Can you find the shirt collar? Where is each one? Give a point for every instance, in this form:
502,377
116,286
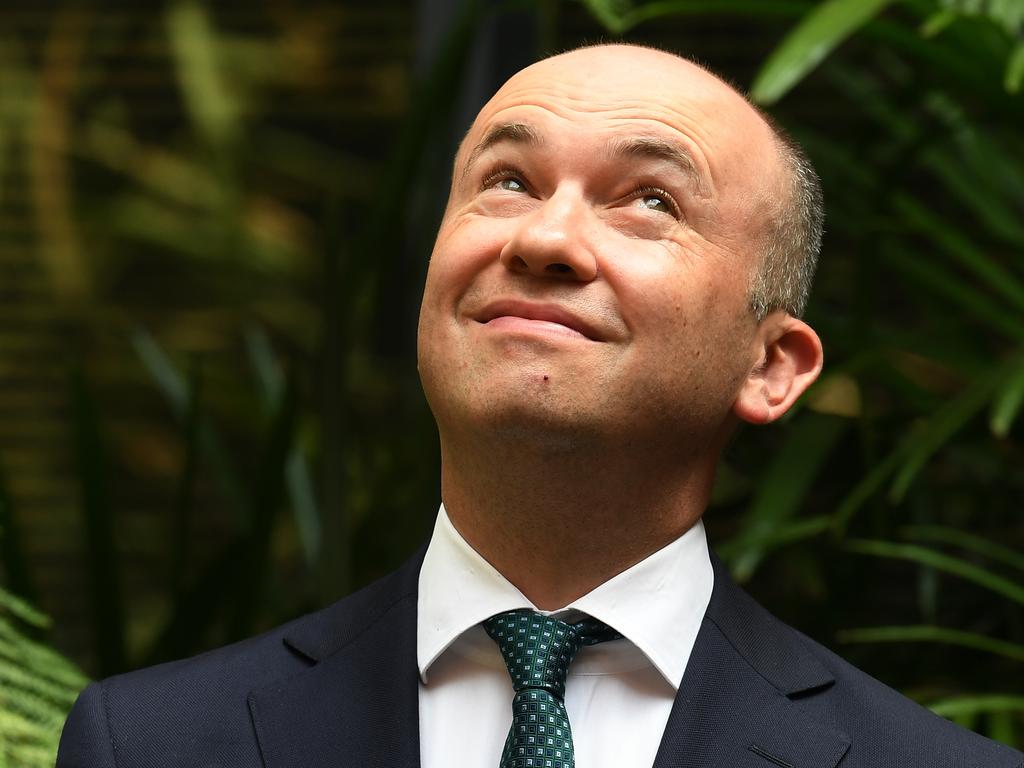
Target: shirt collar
657,604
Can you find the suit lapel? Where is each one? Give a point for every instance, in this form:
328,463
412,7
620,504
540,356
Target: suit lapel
743,701
358,704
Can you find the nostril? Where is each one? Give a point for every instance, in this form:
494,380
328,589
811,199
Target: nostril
518,263
558,269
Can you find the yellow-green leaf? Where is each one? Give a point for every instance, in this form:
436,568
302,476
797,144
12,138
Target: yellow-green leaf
807,45
1014,77
927,634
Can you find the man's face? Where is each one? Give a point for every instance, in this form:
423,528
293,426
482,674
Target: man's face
590,276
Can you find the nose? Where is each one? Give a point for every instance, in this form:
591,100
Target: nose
554,241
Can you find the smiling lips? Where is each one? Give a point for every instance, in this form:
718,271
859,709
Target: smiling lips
511,315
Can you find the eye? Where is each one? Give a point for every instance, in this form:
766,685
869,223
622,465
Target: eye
655,199
511,185
505,179
655,203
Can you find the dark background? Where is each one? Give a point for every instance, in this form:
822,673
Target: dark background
214,226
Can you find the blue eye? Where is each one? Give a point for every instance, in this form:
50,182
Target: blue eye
505,179
510,185
655,203
655,199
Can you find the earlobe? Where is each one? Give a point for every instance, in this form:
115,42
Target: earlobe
790,360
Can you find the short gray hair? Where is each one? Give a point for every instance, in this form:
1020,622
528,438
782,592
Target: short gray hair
792,240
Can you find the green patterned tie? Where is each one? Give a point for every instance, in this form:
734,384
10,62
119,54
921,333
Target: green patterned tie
538,651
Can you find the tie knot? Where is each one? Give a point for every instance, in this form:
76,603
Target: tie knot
539,649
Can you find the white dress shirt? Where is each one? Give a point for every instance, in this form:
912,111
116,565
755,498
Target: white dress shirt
618,694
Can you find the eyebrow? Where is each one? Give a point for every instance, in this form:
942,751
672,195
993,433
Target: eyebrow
515,133
640,147
657,148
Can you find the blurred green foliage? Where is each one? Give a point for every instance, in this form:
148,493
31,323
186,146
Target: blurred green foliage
37,688
258,272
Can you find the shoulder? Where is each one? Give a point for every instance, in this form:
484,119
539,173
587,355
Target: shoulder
169,709
882,727
887,728
200,705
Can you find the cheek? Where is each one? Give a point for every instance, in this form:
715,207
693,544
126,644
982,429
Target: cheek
463,248
656,294
693,308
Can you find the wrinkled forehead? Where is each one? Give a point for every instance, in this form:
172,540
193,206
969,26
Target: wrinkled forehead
616,87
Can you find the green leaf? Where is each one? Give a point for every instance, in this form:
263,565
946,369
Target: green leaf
194,45
866,488
781,490
946,283
969,541
974,705
1008,14
22,610
809,43
1007,403
1001,727
1014,76
98,521
166,376
12,553
32,689
745,552
261,358
960,246
941,562
676,8
176,178
945,423
174,387
298,473
267,499
18,91
928,634
31,654
994,156
311,161
978,188
937,22
907,459
611,13
304,505
184,506
37,688
200,607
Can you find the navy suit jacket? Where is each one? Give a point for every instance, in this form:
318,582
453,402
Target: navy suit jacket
339,689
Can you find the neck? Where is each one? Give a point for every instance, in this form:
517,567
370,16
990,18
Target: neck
559,522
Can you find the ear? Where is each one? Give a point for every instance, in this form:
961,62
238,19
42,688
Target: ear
790,358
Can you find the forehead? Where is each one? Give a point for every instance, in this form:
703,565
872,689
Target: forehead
615,91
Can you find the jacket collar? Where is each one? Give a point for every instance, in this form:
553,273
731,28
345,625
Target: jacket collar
358,702
742,702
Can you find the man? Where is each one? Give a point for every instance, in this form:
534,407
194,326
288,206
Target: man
616,283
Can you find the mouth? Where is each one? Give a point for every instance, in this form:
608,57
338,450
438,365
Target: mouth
517,315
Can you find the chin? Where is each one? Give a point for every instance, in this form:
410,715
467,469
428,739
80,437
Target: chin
544,432
551,425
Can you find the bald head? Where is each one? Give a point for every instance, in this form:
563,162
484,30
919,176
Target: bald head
592,275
